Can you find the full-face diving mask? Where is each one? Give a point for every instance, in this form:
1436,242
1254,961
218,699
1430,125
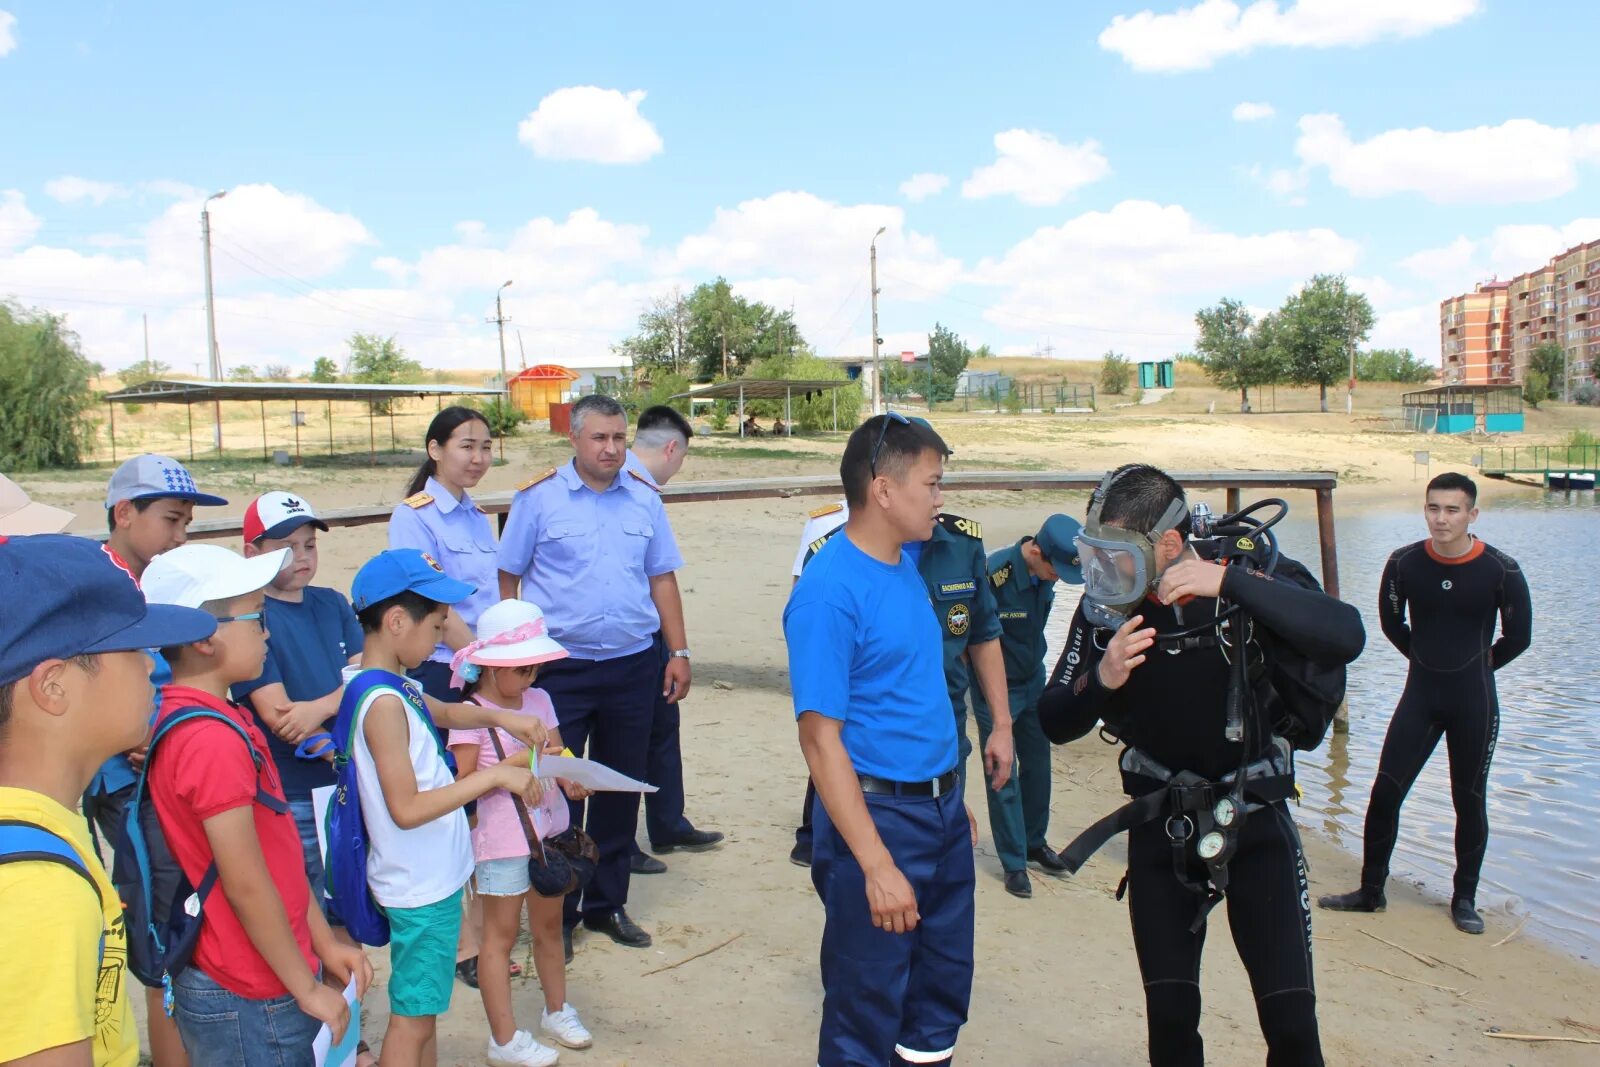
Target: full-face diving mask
1119,566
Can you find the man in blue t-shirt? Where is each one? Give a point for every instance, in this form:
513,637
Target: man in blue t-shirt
892,846
312,635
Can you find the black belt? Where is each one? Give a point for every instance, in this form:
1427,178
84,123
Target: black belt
937,787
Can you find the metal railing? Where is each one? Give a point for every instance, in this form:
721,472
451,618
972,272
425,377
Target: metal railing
1540,459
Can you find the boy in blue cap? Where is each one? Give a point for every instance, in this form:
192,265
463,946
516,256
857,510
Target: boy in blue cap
1024,578
419,851
74,689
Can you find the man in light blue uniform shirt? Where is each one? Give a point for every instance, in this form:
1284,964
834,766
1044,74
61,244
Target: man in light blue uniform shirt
589,543
892,848
660,444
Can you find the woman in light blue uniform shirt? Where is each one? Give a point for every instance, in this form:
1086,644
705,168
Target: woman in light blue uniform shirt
439,517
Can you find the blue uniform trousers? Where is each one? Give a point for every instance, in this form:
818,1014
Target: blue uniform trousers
607,706
664,820
1019,813
896,998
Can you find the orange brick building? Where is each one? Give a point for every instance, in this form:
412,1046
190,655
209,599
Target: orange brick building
1487,336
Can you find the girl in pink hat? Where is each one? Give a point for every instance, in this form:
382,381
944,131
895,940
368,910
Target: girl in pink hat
498,670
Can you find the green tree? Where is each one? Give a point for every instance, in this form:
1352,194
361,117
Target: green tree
46,392
276,372
712,333
146,370
948,355
1549,360
1234,355
663,337
1535,387
502,416
1115,373
324,370
811,411
244,372
1320,327
1392,365
380,361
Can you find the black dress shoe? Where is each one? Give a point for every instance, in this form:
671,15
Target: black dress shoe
1048,860
566,942
1018,885
644,863
693,841
1361,900
1465,916
800,855
621,929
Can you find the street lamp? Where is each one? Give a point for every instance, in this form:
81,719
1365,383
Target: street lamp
500,320
877,367
211,314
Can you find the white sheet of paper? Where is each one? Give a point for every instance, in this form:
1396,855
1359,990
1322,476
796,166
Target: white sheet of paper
592,775
345,1054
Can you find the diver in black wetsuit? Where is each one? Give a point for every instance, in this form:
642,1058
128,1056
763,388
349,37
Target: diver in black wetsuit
1166,699
1453,586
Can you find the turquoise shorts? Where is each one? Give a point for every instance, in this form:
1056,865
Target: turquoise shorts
422,957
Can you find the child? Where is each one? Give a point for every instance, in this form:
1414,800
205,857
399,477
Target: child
498,669
150,501
74,690
313,637
419,855
251,994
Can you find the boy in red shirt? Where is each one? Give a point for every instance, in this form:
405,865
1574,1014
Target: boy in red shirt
253,991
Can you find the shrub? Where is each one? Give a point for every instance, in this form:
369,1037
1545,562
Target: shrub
502,416
1115,373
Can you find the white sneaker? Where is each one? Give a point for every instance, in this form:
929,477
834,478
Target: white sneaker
565,1027
521,1051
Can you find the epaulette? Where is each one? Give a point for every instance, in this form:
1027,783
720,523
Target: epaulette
1001,576
645,480
417,500
829,509
959,525
535,480
816,546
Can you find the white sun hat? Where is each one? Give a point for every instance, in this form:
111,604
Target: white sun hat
512,633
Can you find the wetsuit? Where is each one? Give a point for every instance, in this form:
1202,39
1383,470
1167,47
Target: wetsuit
1172,709
1450,692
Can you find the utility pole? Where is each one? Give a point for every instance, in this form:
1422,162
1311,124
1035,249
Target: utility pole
877,364
211,316
500,321
522,352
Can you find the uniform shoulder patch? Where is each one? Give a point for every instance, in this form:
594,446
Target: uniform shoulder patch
827,509
959,525
418,500
645,480
1001,576
535,480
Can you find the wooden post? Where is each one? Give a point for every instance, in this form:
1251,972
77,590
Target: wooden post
294,417
372,437
111,410
1330,579
394,445
330,427
264,430
1233,499
190,409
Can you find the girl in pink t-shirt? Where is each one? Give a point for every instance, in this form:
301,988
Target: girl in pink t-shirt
498,670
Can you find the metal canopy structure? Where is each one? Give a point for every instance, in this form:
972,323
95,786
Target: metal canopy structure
190,393
744,389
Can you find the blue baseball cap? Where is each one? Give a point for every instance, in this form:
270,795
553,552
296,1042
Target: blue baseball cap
153,477
65,597
1058,540
400,570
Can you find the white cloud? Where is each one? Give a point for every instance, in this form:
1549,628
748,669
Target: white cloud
1414,326
1518,161
1193,38
585,122
17,224
8,36
1448,261
171,189
1252,112
1504,252
1036,168
1132,276
256,229
71,189
919,187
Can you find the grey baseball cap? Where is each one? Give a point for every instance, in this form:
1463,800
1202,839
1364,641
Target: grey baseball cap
153,477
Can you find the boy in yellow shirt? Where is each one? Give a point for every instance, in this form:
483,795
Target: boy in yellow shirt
74,690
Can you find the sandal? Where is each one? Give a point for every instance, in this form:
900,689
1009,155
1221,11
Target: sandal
467,971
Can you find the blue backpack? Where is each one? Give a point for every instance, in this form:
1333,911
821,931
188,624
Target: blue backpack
163,921
349,895
25,842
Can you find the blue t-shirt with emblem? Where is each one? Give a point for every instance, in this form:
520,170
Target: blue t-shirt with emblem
308,645
865,648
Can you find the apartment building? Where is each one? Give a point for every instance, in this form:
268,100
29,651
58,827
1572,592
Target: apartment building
1488,336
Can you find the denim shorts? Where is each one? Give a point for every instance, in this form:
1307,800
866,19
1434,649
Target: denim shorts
504,878
422,957
219,1026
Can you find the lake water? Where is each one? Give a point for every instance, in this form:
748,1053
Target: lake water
1544,799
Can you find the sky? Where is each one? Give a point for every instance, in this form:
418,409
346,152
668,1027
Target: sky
1052,178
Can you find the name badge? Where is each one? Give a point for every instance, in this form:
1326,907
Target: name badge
952,590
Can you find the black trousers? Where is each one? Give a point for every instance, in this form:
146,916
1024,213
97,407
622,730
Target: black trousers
663,810
1270,917
606,706
1464,710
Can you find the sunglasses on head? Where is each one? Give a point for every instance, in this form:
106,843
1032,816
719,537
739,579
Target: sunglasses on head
889,417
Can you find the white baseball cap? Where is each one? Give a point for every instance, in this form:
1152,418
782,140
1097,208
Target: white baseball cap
19,514
523,624
191,575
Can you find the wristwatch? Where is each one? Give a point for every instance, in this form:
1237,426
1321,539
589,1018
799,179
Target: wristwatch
681,653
